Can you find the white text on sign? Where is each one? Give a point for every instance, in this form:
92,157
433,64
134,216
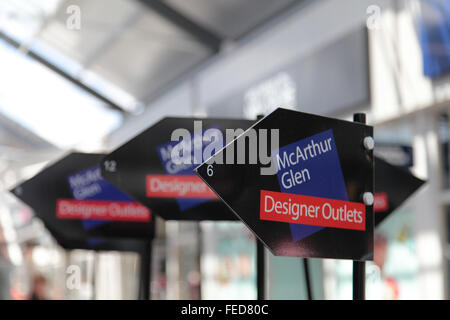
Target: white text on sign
314,211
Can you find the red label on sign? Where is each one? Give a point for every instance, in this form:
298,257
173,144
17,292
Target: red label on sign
102,210
177,186
380,202
314,211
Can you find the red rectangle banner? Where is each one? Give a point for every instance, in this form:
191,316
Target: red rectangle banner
314,211
177,186
102,210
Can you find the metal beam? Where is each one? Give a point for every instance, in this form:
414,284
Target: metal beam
35,56
200,33
112,38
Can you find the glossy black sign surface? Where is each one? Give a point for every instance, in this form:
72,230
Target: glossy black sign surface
341,170
393,186
97,243
148,155
51,185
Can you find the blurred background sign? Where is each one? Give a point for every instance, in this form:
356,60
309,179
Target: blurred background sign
393,186
75,203
396,154
145,167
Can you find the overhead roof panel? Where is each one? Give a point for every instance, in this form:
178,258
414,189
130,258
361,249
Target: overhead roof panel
135,49
100,21
127,50
148,55
50,106
231,18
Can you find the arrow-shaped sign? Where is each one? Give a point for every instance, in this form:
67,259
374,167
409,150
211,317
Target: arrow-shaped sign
306,199
393,186
156,167
80,208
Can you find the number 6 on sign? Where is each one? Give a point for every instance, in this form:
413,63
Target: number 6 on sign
210,170
312,206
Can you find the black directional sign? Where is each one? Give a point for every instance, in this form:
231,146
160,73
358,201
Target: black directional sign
393,186
156,167
306,199
80,208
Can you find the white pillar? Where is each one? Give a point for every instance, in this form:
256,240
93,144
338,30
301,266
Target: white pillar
429,233
108,277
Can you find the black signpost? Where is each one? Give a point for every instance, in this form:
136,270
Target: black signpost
84,211
260,271
309,294
145,168
146,274
71,197
260,261
312,196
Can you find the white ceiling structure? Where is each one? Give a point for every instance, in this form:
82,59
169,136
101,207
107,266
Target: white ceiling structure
61,84
107,58
130,50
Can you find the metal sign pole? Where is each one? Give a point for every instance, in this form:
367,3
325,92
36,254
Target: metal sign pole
146,264
359,267
260,269
359,280
260,260
307,278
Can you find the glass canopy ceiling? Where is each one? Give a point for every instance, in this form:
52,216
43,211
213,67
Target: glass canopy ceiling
130,50
61,88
